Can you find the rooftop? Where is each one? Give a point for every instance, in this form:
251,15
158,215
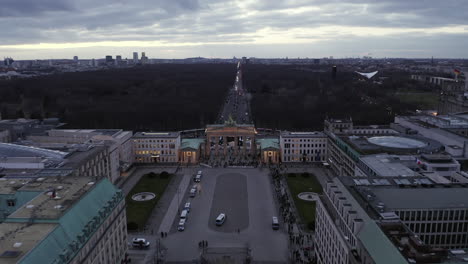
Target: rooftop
390,144
156,135
191,143
395,198
14,150
67,192
45,229
21,238
389,165
269,143
314,134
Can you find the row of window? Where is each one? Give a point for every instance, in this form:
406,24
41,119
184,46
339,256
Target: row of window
300,151
305,140
433,215
155,152
306,159
288,145
159,146
154,140
154,160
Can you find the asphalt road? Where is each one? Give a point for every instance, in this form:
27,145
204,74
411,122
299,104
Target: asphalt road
236,103
230,198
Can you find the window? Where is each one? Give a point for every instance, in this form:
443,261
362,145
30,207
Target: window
11,202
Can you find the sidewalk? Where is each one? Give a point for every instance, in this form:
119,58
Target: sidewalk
301,243
172,210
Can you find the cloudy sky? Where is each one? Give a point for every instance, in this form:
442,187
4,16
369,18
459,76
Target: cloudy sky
41,29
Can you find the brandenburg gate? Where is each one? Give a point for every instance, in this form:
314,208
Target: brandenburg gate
230,138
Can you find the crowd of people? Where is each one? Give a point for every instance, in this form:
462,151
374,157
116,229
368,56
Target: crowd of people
300,242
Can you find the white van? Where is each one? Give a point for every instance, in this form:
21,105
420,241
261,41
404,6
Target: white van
220,219
187,207
183,214
199,173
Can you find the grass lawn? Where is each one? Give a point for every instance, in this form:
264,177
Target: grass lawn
138,212
425,100
299,182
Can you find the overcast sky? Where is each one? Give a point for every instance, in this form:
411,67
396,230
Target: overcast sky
42,29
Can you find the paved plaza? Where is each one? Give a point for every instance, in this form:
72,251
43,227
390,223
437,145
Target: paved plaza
244,195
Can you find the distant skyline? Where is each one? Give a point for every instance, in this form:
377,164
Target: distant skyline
59,29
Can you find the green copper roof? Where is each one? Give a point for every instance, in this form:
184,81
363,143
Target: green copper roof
191,143
20,198
76,225
269,143
379,246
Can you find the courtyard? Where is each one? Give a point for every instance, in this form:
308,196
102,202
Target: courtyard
300,183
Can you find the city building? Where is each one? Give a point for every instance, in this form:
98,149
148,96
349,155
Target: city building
156,147
109,59
25,161
21,128
303,146
348,144
441,166
269,150
118,142
432,79
135,57
391,221
62,220
144,59
191,150
450,130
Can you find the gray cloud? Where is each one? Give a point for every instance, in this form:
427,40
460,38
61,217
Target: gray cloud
184,21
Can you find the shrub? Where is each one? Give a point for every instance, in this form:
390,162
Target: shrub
164,175
132,226
152,175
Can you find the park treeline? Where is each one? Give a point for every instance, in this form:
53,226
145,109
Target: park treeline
183,96
300,97
151,97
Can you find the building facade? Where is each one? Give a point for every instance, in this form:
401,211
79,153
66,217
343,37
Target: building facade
156,147
303,146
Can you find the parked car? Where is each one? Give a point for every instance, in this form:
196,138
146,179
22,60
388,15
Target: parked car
275,223
187,206
197,178
220,219
181,226
140,242
193,192
183,214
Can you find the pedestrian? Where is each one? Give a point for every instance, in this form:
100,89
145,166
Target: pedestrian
238,231
165,234
162,234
